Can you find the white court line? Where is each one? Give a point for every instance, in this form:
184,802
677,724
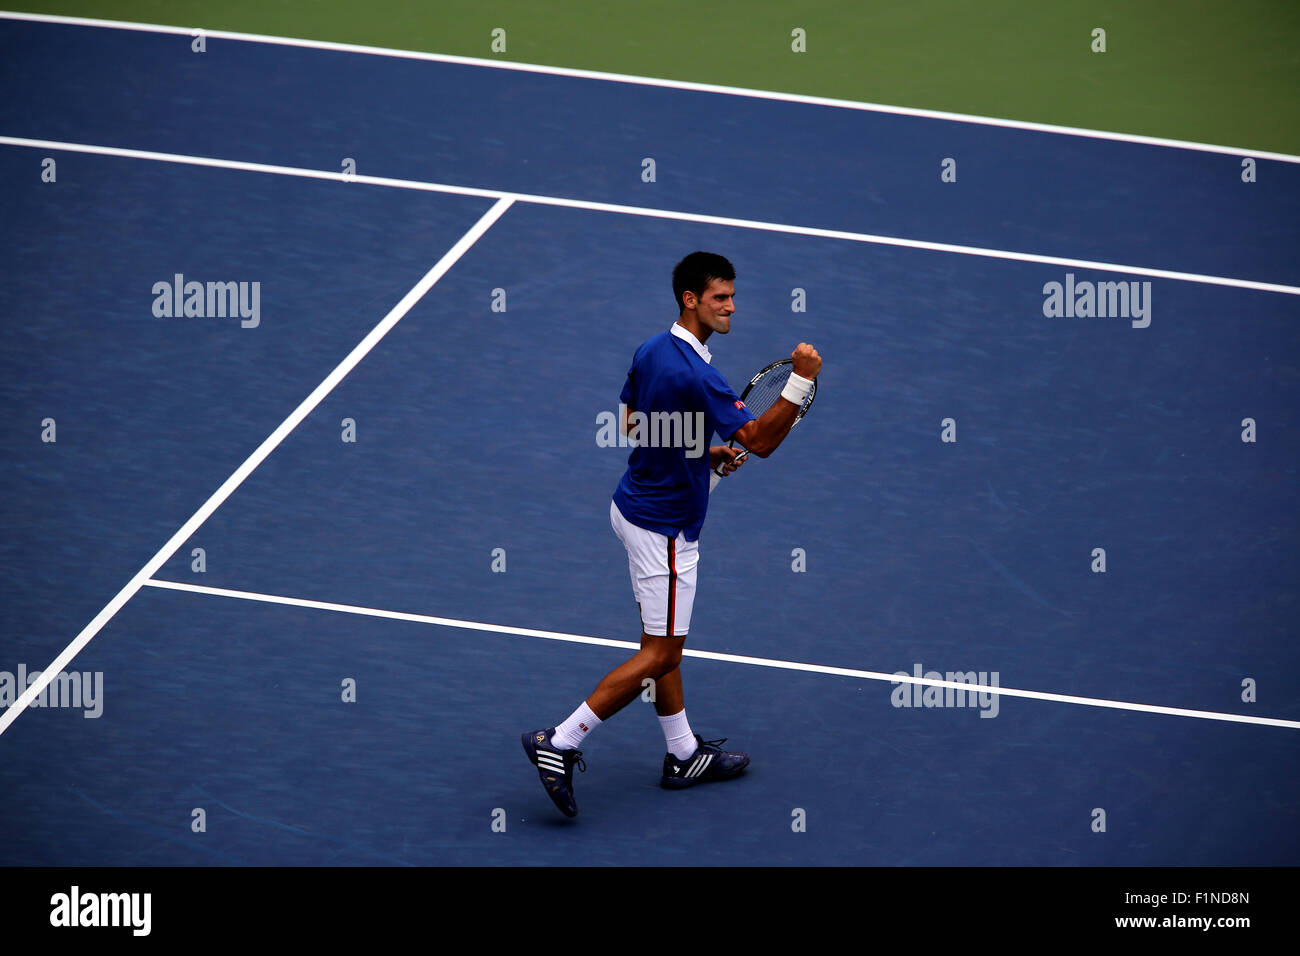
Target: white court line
713,656
269,445
686,85
180,158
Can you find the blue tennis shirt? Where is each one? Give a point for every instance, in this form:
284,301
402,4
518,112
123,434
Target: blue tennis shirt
666,486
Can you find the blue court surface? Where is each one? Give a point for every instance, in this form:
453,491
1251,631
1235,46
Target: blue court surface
369,563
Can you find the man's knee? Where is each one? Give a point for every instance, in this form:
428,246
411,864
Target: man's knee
663,654
669,662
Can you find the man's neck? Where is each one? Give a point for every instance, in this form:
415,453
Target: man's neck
691,324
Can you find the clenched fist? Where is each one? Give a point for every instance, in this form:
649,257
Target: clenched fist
806,360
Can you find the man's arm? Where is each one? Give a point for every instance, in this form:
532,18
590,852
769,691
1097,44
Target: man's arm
763,435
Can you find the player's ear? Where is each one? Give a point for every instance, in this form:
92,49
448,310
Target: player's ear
689,299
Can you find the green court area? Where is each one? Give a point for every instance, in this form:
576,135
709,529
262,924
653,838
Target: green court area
1200,70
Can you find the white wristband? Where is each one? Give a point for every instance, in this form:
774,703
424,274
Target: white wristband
796,389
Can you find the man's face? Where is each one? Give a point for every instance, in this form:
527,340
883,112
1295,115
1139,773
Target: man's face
715,306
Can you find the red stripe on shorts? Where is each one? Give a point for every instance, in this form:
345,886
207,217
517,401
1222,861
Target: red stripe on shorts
672,584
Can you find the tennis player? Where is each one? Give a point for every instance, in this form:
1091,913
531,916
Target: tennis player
657,512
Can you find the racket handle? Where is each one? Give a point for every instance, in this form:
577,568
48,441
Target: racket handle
717,476
735,461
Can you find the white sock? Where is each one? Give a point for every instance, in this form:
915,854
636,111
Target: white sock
568,736
678,734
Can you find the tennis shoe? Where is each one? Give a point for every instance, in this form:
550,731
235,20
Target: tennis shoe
555,767
709,762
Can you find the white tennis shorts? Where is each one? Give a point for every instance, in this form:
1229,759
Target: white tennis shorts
663,575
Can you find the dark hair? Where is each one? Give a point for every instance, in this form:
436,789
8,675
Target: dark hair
696,271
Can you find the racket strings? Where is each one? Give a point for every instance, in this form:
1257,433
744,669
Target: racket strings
764,393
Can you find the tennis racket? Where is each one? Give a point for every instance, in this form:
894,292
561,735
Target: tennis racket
761,394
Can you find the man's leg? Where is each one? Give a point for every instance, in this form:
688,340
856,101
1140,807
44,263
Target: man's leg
663,572
657,659
668,695
670,705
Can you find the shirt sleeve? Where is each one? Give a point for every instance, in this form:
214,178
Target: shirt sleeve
721,404
625,396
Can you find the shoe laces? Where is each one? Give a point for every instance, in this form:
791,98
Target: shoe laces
716,744
578,761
